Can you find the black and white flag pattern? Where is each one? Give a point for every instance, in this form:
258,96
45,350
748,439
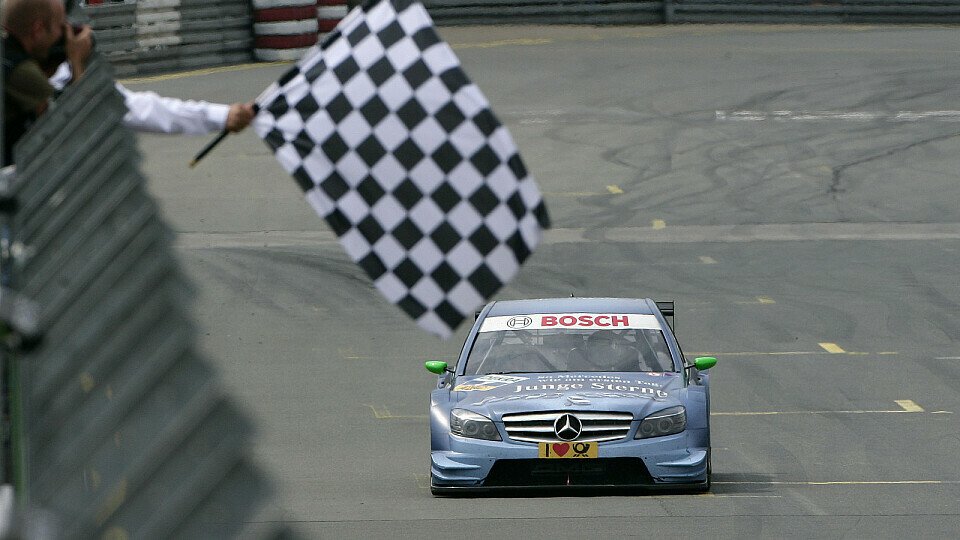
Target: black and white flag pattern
399,151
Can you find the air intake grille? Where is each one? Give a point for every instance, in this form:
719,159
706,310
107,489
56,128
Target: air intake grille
538,426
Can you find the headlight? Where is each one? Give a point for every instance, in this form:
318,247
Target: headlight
665,422
470,424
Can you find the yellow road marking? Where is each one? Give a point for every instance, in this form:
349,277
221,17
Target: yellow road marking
906,406
786,353
658,224
349,353
614,189
909,405
784,413
198,72
708,260
383,413
502,43
832,348
571,193
423,480
759,300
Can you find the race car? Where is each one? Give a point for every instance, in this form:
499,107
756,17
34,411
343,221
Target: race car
578,392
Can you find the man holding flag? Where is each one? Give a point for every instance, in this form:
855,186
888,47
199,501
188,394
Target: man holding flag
400,152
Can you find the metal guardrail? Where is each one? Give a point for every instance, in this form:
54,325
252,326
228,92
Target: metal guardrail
462,12
453,12
123,428
807,11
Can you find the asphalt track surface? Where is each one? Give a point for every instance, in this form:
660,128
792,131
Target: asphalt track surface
793,189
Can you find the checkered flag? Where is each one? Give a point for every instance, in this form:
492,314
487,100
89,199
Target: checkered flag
403,157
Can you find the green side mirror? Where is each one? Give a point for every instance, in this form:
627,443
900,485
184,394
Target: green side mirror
438,367
704,362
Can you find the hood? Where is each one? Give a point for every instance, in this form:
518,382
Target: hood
496,395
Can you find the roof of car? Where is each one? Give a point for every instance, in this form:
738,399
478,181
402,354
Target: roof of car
572,305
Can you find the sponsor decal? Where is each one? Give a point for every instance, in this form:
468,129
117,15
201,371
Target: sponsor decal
639,391
528,397
603,379
502,379
488,382
588,386
567,450
650,393
580,321
472,388
602,321
521,321
653,394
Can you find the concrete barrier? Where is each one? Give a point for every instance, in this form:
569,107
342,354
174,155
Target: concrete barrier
284,29
152,36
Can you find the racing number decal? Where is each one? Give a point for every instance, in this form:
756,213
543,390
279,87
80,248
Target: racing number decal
568,450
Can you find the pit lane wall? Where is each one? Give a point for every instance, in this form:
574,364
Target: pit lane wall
119,428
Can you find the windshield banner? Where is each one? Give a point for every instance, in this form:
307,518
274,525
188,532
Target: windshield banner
580,321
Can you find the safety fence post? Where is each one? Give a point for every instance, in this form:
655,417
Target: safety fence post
18,332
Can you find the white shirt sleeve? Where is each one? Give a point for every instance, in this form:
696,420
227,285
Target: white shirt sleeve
148,111
61,78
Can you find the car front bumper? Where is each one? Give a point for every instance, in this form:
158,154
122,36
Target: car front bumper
669,461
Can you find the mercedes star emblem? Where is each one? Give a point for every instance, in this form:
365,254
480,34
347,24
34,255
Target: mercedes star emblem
567,427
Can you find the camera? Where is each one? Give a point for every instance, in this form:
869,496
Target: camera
58,52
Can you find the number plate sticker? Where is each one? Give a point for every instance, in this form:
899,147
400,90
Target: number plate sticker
565,450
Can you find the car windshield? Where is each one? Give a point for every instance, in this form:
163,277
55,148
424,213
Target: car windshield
568,349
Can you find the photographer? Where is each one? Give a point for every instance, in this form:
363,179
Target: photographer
32,29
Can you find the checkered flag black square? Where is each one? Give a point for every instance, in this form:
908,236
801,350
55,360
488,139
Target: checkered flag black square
401,154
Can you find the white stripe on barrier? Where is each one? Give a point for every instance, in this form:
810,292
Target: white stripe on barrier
150,4
262,4
160,28
164,41
158,17
331,12
275,55
285,28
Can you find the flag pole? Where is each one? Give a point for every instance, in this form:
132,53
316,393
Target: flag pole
212,144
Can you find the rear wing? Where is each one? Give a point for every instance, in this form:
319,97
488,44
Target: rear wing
667,309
